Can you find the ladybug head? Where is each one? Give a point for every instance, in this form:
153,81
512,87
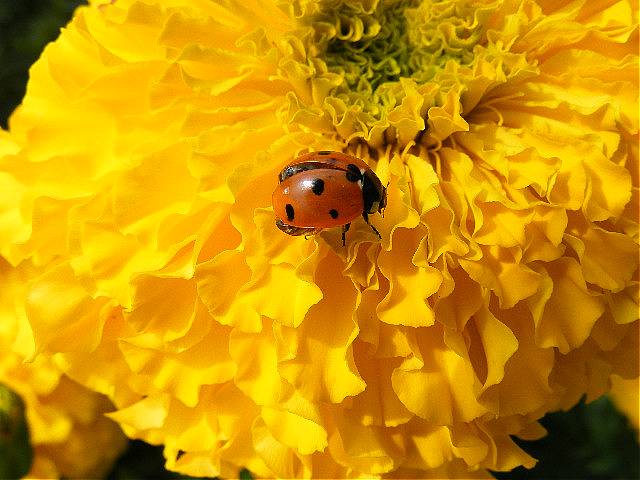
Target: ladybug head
374,194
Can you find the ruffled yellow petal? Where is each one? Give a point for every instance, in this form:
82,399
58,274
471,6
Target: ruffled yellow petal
68,432
363,449
409,287
297,424
256,357
437,376
148,413
317,357
280,459
525,386
378,404
604,257
184,371
564,310
67,324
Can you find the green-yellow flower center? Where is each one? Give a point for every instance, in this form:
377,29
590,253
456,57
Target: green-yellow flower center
402,38
373,69
371,49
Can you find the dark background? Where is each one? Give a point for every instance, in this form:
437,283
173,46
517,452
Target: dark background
590,441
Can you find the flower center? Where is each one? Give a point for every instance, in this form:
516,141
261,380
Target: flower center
374,69
369,50
394,39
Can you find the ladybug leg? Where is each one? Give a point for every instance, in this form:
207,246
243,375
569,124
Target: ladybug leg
375,230
366,219
345,229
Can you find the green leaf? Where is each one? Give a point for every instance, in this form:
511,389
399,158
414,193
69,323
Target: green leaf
245,474
15,450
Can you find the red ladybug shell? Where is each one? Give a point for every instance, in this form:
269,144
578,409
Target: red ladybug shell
325,189
318,198
336,160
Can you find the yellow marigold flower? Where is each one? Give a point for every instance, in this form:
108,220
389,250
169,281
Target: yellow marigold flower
139,179
69,433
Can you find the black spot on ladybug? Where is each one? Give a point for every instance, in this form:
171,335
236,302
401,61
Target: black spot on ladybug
333,213
290,212
324,152
353,173
317,186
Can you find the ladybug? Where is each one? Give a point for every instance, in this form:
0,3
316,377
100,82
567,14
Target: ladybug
326,189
